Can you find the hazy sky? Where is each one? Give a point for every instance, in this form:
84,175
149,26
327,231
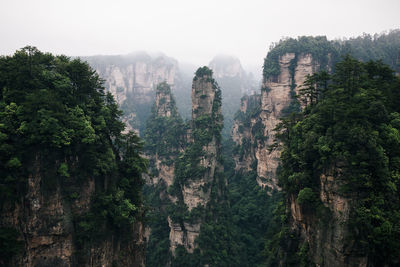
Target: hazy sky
191,31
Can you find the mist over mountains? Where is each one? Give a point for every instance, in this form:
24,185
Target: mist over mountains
232,147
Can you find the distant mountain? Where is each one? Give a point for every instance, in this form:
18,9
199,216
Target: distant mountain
234,83
132,80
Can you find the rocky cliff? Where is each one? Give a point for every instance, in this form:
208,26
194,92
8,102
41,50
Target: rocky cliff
49,223
132,79
243,134
186,178
325,234
277,101
198,172
253,130
329,211
165,136
70,181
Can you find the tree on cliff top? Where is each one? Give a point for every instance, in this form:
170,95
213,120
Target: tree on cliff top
55,119
354,130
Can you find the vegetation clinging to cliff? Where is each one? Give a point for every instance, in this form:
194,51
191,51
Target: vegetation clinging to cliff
354,130
326,53
57,123
164,134
319,47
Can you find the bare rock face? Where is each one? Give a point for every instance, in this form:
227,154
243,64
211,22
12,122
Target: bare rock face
263,117
329,241
275,99
46,220
203,96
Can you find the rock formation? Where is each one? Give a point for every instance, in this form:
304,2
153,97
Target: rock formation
185,161
199,167
277,97
243,135
47,221
329,241
165,136
69,179
132,79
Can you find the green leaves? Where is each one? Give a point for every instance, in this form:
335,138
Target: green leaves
57,122
306,196
350,131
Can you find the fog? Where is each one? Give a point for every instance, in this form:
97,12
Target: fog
190,31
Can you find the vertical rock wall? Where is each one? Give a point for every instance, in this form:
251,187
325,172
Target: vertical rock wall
276,97
46,219
204,151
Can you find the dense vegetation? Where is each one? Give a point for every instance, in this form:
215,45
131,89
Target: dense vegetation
214,240
319,47
56,122
165,138
254,229
385,47
350,130
233,224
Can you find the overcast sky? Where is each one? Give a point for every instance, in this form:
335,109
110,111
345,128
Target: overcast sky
190,31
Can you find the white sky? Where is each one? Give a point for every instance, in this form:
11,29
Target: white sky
190,31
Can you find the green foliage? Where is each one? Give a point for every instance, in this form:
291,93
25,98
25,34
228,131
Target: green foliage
319,47
383,47
306,196
10,244
164,134
350,131
251,217
203,71
63,170
57,122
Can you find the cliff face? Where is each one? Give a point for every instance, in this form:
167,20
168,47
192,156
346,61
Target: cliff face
69,179
275,101
327,192
259,115
132,79
199,168
165,136
329,242
47,221
243,135
186,171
